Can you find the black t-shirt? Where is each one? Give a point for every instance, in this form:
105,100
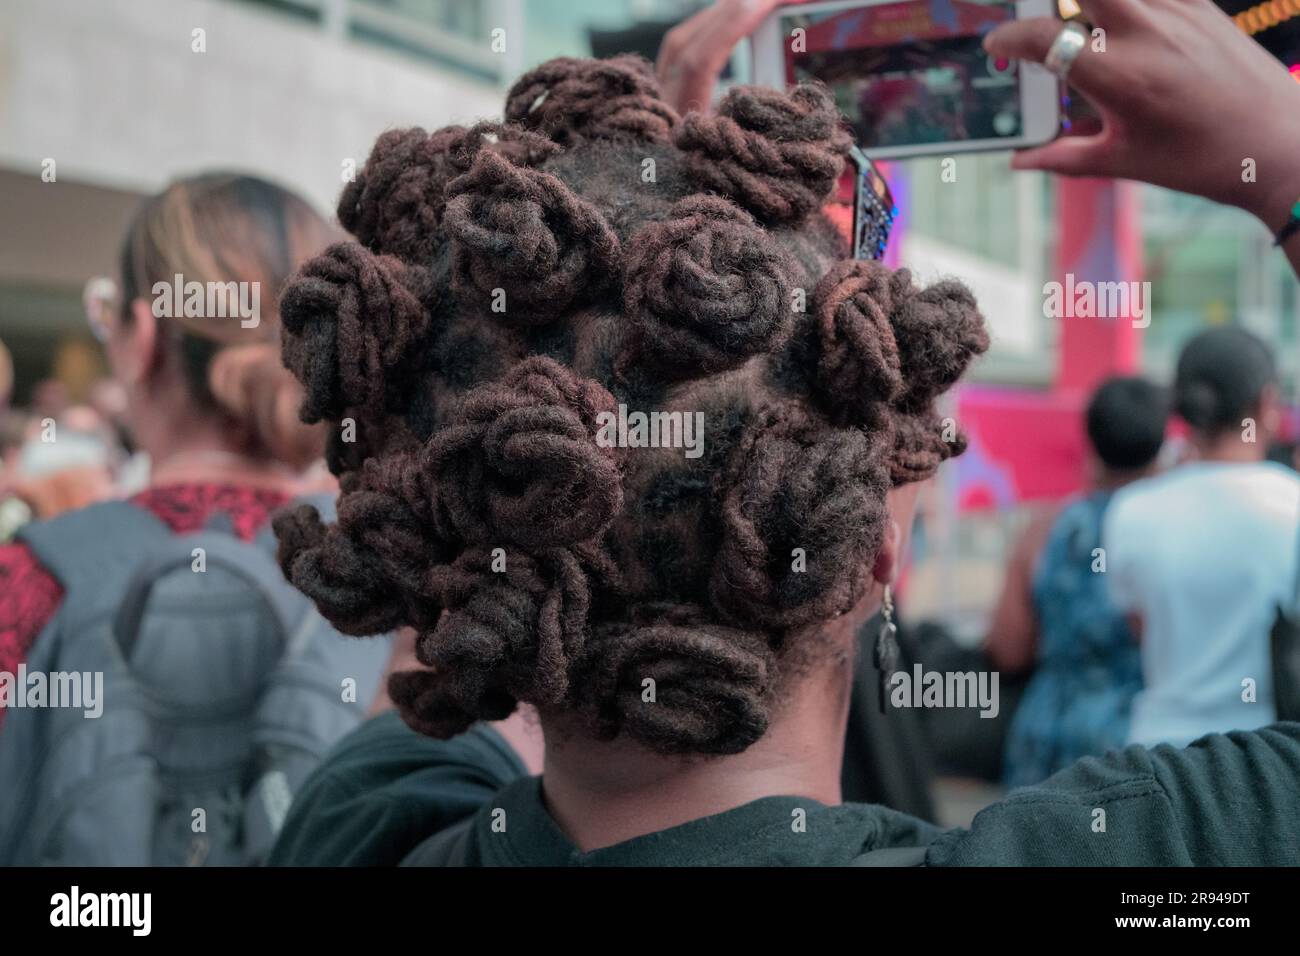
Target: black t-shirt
1228,799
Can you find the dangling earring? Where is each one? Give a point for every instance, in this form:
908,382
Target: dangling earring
885,655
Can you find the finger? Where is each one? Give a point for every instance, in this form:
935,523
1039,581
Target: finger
691,60
1028,39
1113,13
1071,156
1031,39
724,23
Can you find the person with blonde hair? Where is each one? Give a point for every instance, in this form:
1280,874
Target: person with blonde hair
191,330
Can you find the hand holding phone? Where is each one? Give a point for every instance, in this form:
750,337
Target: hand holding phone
1187,101
912,76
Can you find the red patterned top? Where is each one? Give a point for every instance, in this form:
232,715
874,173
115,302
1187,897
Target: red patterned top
29,595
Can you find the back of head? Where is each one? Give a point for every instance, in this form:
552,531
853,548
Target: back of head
532,319
237,239
1222,375
1126,422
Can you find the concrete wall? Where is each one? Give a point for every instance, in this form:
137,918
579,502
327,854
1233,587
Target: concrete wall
113,92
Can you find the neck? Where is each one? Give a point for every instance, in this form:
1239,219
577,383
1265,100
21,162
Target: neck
188,446
1229,447
1109,479
602,793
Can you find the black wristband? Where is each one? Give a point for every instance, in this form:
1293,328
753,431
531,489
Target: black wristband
1291,228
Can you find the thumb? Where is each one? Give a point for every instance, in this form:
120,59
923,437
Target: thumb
1071,156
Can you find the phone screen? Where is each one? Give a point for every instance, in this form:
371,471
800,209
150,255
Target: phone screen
909,73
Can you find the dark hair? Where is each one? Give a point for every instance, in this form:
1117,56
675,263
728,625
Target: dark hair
512,286
229,227
1221,375
1126,421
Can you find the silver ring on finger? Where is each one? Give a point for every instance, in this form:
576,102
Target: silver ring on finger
1065,49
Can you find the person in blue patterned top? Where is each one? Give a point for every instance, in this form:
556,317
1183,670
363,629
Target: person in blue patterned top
1088,667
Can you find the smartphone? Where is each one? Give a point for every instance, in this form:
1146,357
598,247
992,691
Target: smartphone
911,75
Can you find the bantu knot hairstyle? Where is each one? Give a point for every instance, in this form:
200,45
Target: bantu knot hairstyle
636,494
778,156
706,288
887,350
569,99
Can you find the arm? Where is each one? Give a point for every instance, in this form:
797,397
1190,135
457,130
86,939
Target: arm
383,788
1122,586
1012,639
1186,99
1226,800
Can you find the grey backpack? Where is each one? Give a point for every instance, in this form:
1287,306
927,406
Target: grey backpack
222,688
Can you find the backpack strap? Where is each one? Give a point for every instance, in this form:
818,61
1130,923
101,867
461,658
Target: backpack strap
79,547
448,847
891,856
85,549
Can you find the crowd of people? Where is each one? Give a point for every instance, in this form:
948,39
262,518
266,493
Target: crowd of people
632,655
1147,610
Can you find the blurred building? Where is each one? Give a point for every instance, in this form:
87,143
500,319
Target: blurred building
104,101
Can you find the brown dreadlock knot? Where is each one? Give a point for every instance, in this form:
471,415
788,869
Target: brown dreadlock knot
519,462
570,99
369,572
512,632
430,702
524,232
939,330
519,145
354,326
778,155
858,370
706,288
922,442
711,685
886,350
794,481
394,204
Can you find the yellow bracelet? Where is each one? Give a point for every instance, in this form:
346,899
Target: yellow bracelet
1265,15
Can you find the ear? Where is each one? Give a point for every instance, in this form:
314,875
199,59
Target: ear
901,505
1270,410
137,345
888,558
